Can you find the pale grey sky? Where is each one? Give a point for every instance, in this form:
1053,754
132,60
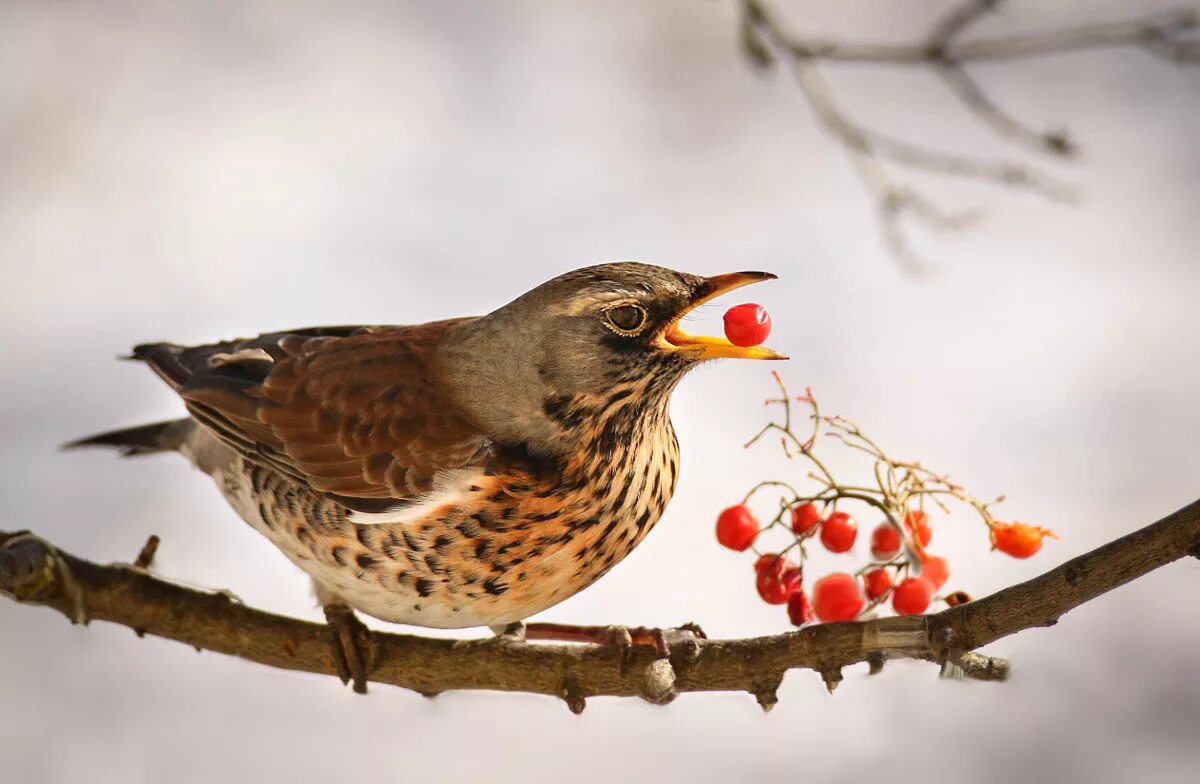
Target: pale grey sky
198,171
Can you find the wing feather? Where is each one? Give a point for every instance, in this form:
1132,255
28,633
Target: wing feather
353,412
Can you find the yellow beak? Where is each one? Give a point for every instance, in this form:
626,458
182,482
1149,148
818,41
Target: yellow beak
703,347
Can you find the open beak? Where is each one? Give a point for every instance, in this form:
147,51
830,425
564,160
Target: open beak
703,347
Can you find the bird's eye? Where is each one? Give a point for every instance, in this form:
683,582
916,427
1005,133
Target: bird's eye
627,319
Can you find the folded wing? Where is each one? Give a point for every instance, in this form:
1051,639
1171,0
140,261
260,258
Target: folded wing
355,413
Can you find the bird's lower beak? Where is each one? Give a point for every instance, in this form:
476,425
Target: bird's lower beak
703,347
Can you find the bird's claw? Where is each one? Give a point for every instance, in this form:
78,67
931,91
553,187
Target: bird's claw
351,646
665,642
625,638
511,632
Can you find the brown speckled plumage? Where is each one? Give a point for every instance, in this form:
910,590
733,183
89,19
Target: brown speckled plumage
526,535
458,473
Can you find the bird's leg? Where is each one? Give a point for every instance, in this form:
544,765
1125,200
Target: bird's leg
624,637
351,645
509,632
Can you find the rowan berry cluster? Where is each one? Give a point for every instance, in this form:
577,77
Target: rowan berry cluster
901,570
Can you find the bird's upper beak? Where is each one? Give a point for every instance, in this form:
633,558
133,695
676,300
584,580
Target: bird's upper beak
703,347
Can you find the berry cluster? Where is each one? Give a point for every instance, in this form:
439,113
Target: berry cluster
901,569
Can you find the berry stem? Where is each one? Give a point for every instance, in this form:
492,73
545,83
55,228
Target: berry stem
900,488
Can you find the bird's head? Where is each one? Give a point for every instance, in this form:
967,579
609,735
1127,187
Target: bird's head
586,335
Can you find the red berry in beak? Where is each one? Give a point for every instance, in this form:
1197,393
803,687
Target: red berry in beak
747,325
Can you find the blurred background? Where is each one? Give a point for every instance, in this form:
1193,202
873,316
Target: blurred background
194,171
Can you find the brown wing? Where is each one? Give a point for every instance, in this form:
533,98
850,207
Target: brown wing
353,412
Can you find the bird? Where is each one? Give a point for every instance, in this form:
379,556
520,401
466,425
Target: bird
460,473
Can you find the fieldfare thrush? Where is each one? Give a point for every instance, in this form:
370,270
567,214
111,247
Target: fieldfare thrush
469,472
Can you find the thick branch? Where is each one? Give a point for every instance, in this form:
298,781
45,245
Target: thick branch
34,572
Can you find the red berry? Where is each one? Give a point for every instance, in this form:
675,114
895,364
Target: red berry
877,582
912,596
805,517
957,598
799,610
747,325
917,522
776,579
838,532
837,597
935,569
885,542
767,560
1019,539
737,527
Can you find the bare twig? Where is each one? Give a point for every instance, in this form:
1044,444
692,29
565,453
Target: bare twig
893,201
957,20
945,32
1174,36
34,572
145,557
973,96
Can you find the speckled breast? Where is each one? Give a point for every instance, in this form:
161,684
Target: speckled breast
493,545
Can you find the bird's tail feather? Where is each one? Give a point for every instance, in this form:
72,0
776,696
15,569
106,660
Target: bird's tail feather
166,436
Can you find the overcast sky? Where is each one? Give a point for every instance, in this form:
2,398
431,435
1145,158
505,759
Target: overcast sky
198,171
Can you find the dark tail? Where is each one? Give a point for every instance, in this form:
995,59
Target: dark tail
143,440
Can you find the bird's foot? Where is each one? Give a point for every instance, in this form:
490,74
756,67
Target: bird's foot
509,633
664,641
351,644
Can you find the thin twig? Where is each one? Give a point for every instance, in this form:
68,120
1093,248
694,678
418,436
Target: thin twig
957,20
973,96
1174,36
146,556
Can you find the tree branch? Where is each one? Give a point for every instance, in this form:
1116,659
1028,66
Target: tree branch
35,572
1173,36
